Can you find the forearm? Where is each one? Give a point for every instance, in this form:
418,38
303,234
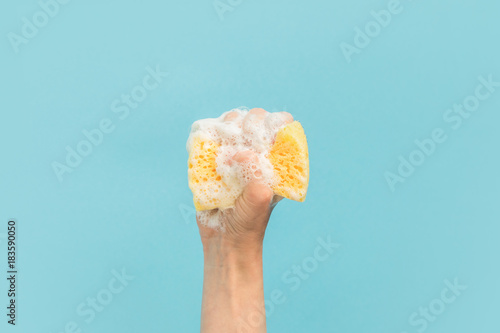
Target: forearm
233,288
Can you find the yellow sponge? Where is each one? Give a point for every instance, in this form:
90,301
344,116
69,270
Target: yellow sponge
289,156
202,175
290,159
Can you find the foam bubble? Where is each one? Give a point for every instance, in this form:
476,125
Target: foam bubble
248,134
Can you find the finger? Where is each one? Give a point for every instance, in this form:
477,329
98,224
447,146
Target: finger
254,118
287,117
277,119
244,156
258,112
249,160
231,116
256,194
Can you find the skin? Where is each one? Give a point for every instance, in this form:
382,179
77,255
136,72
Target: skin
233,287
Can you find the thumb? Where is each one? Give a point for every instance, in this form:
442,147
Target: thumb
256,196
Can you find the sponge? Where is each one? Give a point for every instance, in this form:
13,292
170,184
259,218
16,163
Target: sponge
203,178
290,159
281,150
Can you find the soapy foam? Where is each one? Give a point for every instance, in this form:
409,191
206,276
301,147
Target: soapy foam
236,131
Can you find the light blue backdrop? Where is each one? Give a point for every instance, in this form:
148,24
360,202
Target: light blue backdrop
363,101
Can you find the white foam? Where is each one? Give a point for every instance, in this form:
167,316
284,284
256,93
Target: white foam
238,130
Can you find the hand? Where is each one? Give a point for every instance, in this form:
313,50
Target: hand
233,287
244,225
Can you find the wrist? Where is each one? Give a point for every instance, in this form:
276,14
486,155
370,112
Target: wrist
233,286
222,251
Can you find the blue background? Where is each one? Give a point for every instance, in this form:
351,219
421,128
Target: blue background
128,204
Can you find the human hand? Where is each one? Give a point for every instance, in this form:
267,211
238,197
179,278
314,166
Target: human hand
233,287
243,227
